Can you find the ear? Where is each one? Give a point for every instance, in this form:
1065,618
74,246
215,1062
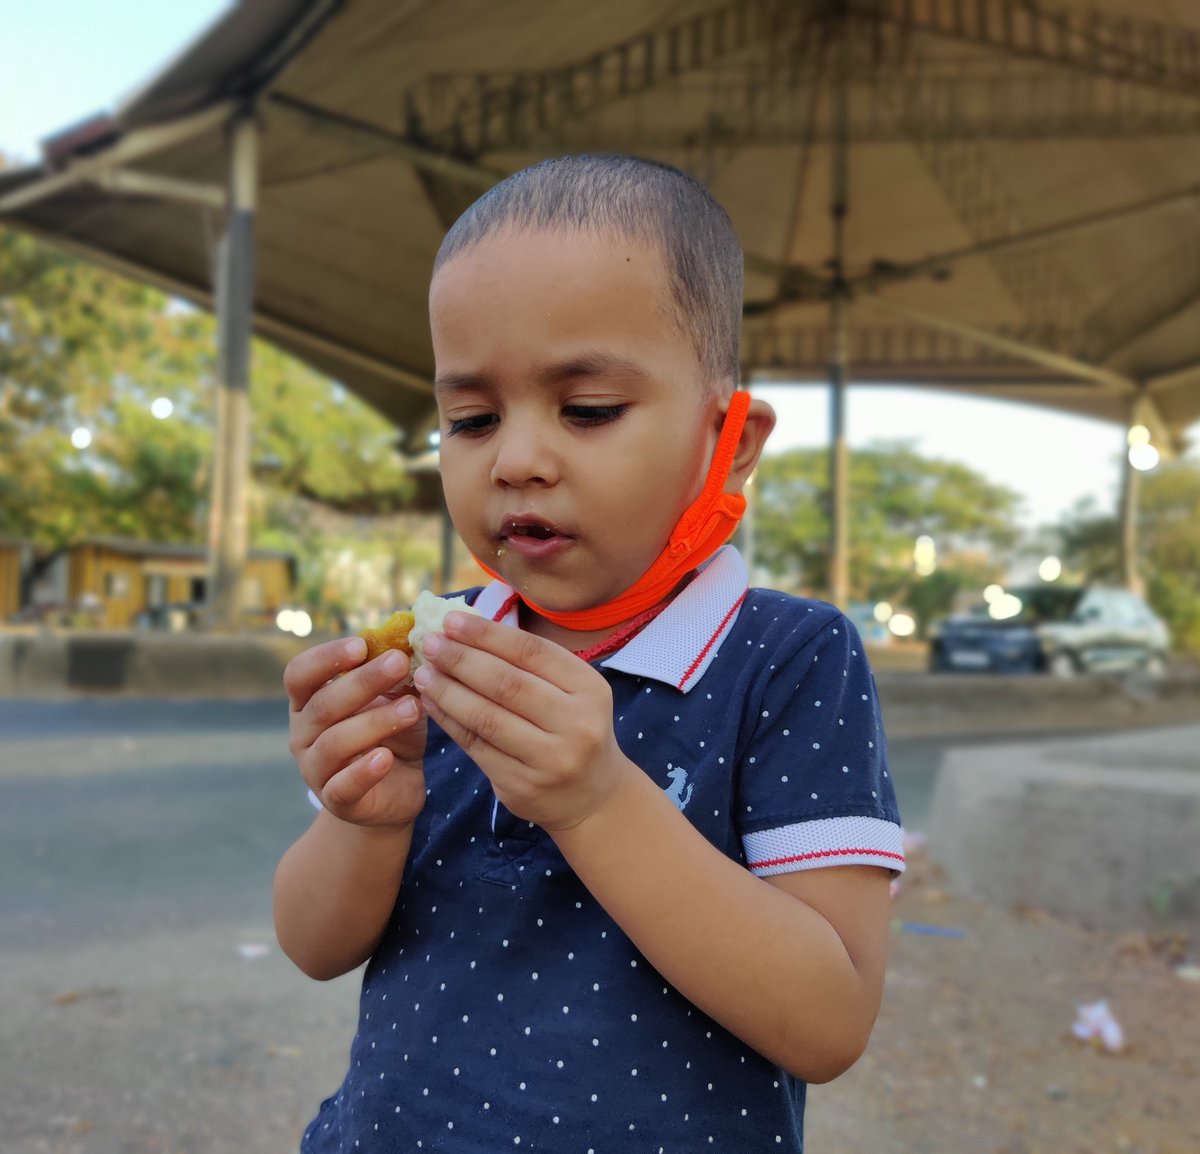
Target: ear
760,420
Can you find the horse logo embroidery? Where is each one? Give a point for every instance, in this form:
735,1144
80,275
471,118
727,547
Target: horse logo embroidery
680,789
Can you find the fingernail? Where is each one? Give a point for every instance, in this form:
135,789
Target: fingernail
376,760
431,644
356,649
393,663
406,708
422,677
454,620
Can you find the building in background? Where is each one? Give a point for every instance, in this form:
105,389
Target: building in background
119,583
16,557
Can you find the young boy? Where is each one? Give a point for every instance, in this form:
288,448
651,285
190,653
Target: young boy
588,890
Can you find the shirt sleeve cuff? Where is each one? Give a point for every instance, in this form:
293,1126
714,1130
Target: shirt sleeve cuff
825,842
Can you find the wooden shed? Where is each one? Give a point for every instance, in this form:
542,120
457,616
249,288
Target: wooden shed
126,579
14,557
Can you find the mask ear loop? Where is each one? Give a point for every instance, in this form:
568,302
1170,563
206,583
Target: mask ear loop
702,529
713,500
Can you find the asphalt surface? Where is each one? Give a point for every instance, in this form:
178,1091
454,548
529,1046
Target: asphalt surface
145,1005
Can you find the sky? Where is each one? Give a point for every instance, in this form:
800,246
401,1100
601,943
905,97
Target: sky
63,60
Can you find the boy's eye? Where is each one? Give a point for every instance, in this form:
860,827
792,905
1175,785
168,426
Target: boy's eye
593,414
479,423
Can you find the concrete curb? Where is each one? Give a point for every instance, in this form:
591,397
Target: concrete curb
169,665
914,703
922,703
1100,831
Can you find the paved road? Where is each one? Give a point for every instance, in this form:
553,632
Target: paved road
145,1005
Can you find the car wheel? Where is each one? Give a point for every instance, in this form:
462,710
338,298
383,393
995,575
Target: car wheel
1155,666
1061,664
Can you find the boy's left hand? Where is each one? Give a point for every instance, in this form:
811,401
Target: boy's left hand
534,717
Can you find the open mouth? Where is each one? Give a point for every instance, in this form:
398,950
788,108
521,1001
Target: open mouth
537,532
532,538
530,530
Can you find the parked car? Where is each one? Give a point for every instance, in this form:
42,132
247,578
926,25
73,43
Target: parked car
1061,630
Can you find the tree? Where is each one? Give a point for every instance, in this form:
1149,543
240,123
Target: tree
80,347
896,496
70,334
1168,532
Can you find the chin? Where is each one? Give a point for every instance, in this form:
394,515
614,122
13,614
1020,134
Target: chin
550,594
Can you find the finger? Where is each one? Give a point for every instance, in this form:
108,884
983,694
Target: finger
349,786
344,696
476,722
526,651
341,744
515,689
308,671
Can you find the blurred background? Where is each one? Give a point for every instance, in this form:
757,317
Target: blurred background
972,253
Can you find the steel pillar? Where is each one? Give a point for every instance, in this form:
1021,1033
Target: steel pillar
839,583
228,532
1127,535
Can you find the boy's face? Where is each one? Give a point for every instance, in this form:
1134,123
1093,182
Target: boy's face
575,424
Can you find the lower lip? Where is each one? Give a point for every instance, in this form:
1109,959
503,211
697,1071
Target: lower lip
536,548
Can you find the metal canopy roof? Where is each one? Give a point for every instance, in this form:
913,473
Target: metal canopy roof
974,129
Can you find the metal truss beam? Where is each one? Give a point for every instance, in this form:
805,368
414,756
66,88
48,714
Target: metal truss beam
1035,351
976,192
131,182
735,106
140,144
374,139
805,348
1179,201
469,114
1056,74
1175,378
1104,44
1164,291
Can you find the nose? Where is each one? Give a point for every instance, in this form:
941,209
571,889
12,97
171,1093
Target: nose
524,454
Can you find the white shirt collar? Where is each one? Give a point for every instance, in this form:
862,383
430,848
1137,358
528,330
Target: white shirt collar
680,643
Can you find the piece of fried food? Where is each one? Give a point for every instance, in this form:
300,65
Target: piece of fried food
406,631
392,634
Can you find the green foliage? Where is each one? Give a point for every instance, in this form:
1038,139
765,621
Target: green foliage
320,440
896,496
82,348
1168,534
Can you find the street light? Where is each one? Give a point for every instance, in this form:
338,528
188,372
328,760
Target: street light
81,437
1050,569
924,555
162,407
1143,456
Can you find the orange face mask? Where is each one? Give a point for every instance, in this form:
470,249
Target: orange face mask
705,526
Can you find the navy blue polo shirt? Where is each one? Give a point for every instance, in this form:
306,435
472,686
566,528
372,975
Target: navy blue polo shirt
504,1009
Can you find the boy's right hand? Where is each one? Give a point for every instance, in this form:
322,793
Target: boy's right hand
359,749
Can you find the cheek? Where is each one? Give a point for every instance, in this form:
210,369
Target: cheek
461,493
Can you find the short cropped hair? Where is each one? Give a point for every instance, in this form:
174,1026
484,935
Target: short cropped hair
640,200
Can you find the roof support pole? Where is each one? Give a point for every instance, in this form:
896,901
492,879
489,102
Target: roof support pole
1127,532
228,530
839,337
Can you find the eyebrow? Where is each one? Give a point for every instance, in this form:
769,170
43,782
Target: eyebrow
593,364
